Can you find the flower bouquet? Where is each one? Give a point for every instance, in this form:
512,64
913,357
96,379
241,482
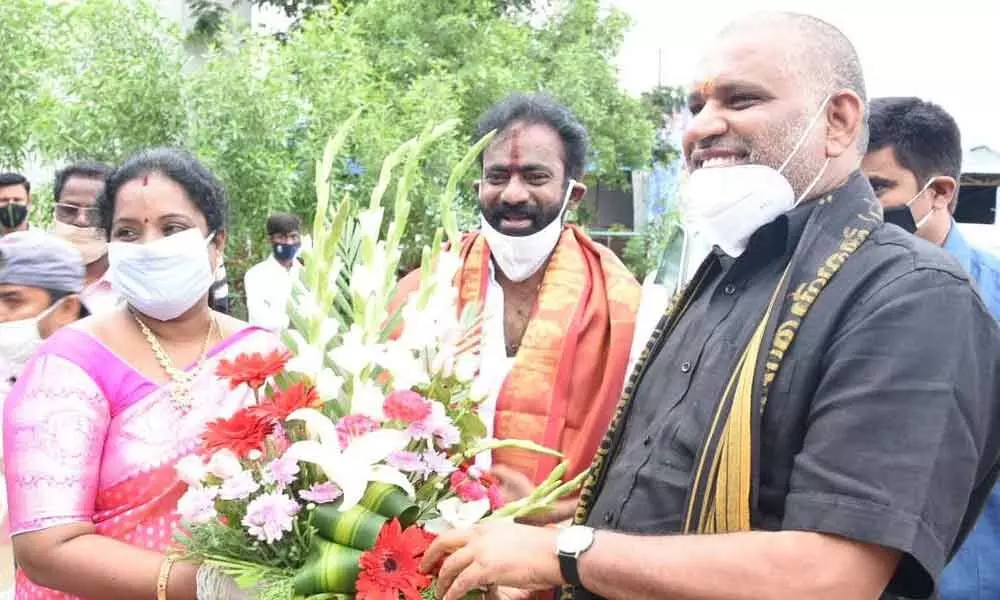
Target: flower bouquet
361,443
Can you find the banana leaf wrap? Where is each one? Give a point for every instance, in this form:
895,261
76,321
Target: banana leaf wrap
343,536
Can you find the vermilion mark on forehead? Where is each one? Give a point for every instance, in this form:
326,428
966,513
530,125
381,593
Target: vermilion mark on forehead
515,150
145,180
705,88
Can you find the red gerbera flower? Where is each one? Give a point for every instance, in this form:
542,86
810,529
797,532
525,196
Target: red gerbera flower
287,401
253,369
243,432
406,406
390,568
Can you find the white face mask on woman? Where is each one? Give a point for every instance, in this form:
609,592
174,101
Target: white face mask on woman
165,278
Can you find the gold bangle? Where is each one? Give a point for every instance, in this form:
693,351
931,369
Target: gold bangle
164,578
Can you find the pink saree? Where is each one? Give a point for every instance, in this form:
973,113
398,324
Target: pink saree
87,438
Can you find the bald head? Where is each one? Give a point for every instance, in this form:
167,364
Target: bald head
776,88
816,53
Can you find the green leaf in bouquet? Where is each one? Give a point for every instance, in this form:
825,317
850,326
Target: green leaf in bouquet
357,527
493,444
473,430
448,219
330,569
390,501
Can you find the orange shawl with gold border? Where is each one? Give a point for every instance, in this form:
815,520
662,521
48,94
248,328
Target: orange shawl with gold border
569,370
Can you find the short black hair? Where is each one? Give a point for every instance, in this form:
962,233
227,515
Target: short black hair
10,178
86,169
181,167
923,136
57,295
540,109
283,223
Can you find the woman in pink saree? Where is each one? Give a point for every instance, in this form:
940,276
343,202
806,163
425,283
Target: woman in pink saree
95,426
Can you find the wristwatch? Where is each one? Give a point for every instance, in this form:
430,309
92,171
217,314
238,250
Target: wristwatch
571,543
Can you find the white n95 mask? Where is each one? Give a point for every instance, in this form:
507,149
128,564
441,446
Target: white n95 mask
728,204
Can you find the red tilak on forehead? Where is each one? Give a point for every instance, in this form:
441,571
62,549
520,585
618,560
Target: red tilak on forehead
515,150
145,180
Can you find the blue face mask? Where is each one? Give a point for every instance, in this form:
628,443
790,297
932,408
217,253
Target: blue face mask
285,252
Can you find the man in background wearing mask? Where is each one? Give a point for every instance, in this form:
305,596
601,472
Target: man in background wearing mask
817,416
15,202
75,191
914,162
559,309
41,277
268,284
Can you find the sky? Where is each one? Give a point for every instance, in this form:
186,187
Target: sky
946,52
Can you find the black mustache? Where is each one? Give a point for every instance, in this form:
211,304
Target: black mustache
516,212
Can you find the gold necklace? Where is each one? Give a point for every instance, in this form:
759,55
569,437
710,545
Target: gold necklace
180,381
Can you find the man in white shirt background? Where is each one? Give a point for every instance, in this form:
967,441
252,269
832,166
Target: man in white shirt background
268,284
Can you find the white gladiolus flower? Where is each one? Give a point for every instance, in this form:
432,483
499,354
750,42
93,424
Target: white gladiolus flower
353,355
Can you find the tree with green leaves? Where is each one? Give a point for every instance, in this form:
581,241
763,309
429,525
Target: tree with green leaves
258,110
26,63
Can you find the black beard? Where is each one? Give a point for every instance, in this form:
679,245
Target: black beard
539,218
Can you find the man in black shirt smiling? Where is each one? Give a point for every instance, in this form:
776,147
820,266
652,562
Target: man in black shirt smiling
817,415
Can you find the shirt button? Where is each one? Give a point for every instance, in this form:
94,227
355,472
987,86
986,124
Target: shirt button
609,517
647,441
730,289
685,367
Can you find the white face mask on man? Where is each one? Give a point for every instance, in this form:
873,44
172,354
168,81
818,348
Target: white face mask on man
728,204
165,278
520,257
19,340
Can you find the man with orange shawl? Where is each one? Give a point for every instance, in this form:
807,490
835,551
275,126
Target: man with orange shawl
559,310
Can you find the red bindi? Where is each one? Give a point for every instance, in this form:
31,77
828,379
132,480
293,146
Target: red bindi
145,180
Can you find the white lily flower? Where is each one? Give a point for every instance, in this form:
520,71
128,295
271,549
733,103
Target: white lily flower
368,400
456,514
351,469
328,384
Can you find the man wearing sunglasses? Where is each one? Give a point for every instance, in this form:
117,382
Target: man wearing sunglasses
76,189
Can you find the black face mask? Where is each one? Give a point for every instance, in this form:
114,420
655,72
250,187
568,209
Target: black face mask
900,216
285,252
13,215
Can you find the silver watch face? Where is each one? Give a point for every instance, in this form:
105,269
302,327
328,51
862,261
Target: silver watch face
575,539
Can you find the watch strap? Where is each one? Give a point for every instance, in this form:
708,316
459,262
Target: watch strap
569,568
